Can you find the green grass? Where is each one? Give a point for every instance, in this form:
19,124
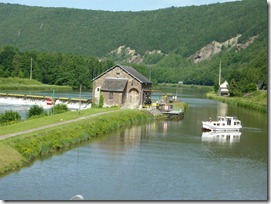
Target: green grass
184,86
256,100
10,158
177,105
47,120
15,83
18,81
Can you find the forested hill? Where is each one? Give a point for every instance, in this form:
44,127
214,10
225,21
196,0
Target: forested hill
182,30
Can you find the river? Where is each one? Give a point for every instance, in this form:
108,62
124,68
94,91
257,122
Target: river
162,160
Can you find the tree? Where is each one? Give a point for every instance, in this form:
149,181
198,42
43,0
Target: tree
234,90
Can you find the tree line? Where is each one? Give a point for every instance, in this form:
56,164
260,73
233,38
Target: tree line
52,68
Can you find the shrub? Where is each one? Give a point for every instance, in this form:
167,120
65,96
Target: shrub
101,101
35,110
250,88
60,108
9,117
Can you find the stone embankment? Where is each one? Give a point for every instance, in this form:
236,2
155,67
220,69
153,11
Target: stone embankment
155,112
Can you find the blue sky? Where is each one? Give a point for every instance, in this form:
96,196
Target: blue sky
114,5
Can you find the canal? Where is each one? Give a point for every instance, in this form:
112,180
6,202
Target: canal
162,160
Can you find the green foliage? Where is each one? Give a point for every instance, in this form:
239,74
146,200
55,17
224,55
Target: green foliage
9,117
60,108
256,100
184,29
50,68
234,89
250,88
176,32
35,110
101,101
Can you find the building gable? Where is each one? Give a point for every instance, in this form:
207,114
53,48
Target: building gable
130,71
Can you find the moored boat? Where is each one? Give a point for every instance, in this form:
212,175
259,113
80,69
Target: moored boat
224,123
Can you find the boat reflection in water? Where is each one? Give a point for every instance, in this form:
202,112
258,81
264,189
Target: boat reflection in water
221,137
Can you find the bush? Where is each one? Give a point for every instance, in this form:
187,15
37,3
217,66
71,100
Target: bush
250,88
60,108
101,101
35,110
9,117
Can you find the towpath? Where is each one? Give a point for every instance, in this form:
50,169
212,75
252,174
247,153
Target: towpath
2,137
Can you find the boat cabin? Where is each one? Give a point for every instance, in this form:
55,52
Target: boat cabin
229,121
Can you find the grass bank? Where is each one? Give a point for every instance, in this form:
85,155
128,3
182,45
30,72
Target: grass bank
256,100
21,150
11,83
161,85
47,120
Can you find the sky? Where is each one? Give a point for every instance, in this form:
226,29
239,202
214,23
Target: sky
114,5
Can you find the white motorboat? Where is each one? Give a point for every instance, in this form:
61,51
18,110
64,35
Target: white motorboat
224,123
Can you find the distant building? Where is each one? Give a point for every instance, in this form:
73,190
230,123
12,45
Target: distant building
223,89
180,82
122,86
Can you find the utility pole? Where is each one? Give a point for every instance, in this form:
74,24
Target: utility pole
219,79
31,69
80,98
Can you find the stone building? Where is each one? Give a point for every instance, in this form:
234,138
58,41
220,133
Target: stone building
122,86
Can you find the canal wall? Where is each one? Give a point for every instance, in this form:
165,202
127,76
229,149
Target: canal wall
18,151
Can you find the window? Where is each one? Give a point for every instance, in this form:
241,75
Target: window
111,95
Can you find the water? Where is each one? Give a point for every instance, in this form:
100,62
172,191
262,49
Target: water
163,160
22,106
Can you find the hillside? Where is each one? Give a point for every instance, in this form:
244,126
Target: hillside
182,30
72,46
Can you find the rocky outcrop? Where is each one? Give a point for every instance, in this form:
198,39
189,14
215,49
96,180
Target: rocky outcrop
129,55
215,47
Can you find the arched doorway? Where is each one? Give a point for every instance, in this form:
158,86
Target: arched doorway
134,97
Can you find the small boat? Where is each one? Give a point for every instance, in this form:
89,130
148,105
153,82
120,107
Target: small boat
224,123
